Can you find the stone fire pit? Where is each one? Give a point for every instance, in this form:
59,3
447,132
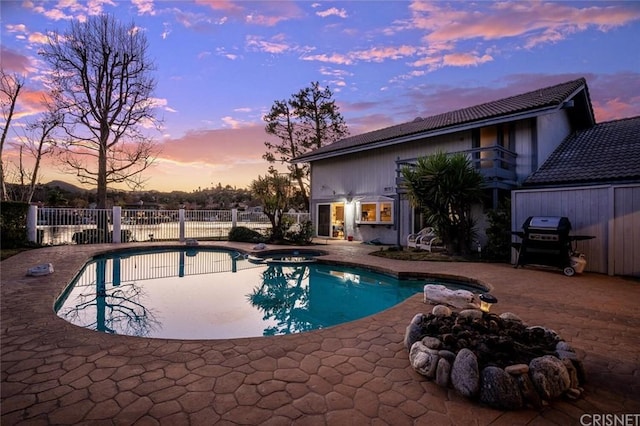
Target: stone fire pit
495,359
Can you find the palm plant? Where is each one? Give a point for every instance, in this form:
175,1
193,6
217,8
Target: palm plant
445,187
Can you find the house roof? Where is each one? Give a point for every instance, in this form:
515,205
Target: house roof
607,152
552,97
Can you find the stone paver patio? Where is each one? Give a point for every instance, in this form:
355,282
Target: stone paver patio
353,374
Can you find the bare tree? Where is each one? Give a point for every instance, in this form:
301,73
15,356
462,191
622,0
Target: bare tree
38,141
10,86
102,87
309,120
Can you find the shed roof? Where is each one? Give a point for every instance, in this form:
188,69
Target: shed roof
607,152
513,106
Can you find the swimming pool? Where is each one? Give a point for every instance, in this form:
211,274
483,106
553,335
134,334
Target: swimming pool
198,293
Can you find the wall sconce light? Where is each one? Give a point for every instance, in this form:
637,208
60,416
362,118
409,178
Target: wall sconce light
349,197
486,300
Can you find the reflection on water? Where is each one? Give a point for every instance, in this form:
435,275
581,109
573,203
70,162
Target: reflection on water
213,294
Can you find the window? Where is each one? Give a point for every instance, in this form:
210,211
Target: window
376,210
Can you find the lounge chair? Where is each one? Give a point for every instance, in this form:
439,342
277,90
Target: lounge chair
429,242
414,240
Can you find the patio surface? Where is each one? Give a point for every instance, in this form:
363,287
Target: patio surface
353,374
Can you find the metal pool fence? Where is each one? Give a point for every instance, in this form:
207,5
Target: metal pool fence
56,226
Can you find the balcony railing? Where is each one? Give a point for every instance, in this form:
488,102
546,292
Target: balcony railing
496,164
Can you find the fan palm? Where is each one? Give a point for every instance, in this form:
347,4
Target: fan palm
445,187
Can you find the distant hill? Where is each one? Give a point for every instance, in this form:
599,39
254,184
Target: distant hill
67,187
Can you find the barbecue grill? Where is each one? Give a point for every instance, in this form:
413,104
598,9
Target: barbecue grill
546,241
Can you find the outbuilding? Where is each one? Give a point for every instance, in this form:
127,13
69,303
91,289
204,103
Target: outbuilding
593,178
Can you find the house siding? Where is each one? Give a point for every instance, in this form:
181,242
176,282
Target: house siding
525,147
371,173
551,130
610,213
626,231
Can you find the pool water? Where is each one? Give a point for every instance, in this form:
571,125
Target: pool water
216,294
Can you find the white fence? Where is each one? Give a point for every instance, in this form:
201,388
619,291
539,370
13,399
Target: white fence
55,226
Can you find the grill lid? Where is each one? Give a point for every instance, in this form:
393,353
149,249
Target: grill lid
545,222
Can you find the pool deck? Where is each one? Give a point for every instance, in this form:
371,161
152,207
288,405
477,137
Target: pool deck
353,374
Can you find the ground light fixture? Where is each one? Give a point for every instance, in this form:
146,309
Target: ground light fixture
486,300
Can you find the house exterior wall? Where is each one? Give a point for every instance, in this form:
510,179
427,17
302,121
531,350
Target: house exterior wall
525,147
373,173
370,172
349,177
550,131
610,213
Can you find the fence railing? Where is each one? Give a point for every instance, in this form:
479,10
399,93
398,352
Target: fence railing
56,226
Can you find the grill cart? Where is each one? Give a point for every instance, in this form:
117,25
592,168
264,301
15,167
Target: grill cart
546,241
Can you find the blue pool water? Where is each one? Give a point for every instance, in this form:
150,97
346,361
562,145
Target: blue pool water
197,293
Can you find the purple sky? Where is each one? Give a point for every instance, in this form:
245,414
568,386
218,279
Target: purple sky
222,64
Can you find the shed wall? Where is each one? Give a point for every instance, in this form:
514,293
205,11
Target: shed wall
610,213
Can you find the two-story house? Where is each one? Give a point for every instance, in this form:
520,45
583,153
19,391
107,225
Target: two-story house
356,186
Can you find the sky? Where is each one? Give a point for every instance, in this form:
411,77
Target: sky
220,65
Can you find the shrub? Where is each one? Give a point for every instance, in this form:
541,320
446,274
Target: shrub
96,236
499,233
243,234
299,233
89,236
13,224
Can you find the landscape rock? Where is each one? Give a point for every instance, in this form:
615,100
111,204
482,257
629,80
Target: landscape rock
443,373
564,346
517,369
499,390
465,376
573,373
573,393
510,316
549,376
461,299
432,342
413,332
441,311
40,270
528,392
448,355
471,314
423,360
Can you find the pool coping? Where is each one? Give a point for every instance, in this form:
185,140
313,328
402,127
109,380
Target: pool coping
53,371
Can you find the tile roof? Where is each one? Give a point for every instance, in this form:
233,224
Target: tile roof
530,101
607,152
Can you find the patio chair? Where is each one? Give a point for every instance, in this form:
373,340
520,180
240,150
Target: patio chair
414,240
429,242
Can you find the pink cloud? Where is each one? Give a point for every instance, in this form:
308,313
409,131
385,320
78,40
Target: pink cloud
14,62
224,5
380,54
375,54
465,59
263,13
537,21
218,147
270,13
30,102
615,96
276,45
334,58
332,12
